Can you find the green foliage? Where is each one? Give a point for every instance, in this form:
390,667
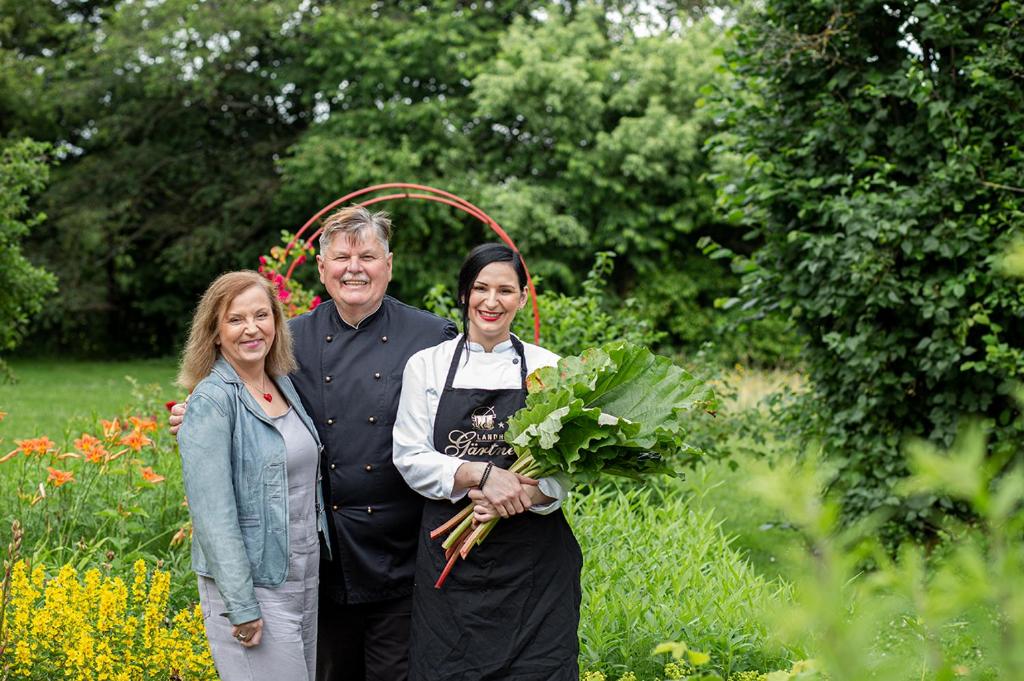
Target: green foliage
574,134
193,133
954,612
570,324
24,171
102,492
880,164
169,116
617,409
656,567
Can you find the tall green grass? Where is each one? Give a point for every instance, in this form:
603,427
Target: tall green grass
50,393
659,568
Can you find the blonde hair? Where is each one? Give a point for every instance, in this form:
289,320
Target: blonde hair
201,350
355,221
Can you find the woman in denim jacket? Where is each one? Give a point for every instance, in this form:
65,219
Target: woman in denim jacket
250,456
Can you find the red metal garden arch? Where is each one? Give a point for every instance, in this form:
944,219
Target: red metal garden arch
424,193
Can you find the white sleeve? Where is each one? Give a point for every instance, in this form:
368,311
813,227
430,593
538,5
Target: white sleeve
555,487
426,470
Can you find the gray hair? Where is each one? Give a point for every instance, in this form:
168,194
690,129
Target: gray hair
355,222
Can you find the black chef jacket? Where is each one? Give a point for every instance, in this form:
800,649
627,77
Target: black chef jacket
349,380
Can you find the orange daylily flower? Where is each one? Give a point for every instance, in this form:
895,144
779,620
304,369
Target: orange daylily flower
111,429
183,531
149,476
143,425
136,440
38,445
91,447
58,477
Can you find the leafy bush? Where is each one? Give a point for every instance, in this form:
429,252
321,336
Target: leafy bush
656,567
957,612
570,324
24,172
882,163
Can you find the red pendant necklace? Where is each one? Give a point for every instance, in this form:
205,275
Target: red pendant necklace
266,395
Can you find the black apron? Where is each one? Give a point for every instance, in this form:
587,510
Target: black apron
511,609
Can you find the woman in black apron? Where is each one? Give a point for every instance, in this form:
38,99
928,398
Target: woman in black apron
511,609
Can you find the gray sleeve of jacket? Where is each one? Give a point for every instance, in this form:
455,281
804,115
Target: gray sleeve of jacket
205,445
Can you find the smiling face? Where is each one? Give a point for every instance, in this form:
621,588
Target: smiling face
246,331
355,272
494,299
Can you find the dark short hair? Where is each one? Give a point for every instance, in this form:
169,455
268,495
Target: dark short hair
479,258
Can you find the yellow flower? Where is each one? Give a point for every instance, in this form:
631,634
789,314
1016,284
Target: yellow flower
87,629
139,582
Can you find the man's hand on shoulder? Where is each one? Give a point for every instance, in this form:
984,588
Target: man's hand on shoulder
177,416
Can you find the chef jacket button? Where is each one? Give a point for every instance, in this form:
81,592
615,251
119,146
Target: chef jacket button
383,339
369,509
330,422
372,419
369,468
376,374
327,379
330,338
335,507
333,466
515,360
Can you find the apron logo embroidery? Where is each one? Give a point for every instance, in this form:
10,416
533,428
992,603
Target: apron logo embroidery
483,418
486,439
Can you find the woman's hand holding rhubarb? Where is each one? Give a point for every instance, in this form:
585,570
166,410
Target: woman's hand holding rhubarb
507,492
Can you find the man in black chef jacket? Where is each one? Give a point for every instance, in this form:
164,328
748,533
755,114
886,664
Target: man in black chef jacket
351,355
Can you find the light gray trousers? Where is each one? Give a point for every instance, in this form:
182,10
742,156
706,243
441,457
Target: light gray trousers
288,648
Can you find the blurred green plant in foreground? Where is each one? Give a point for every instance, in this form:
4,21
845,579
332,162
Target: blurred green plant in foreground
954,612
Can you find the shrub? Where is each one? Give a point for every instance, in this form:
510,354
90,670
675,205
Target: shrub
956,612
882,170
23,287
570,324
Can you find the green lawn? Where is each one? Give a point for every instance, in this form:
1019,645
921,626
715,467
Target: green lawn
49,393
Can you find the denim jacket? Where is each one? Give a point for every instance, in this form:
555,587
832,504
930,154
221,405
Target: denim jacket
233,464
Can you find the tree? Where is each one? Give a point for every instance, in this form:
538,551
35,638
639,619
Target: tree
883,169
23,287
170,117
575,133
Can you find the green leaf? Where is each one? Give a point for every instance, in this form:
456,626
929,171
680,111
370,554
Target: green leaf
618,409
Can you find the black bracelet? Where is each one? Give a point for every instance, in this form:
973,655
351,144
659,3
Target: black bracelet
487,471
